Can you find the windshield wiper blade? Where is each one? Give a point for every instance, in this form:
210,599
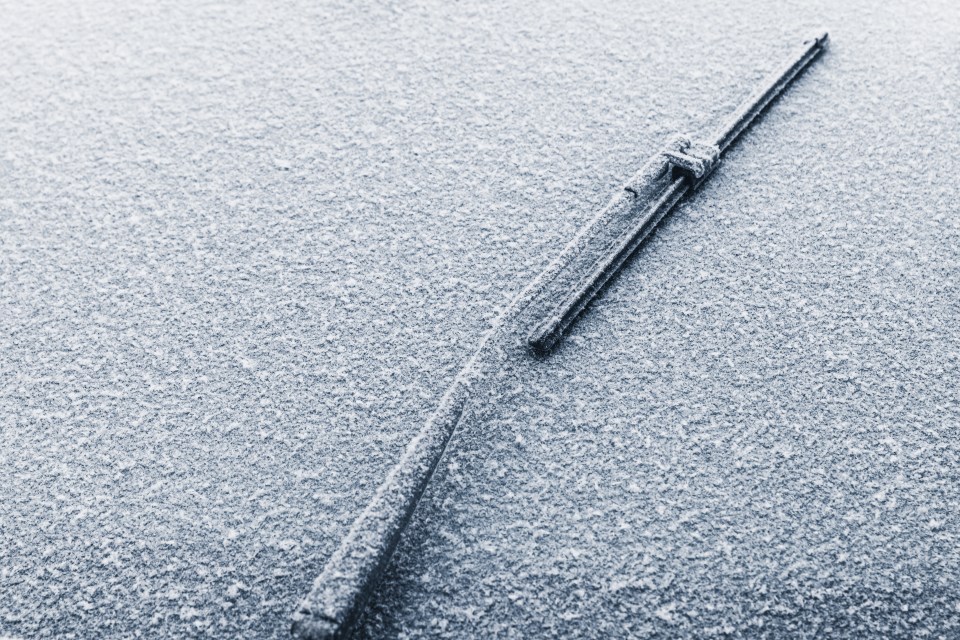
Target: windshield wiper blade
342,589
676,170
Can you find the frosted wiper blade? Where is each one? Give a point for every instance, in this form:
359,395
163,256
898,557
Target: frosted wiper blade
677,169
339,594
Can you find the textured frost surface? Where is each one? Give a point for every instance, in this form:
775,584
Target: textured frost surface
243,249
753,433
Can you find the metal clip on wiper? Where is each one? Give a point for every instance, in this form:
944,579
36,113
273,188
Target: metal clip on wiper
679,168
338,596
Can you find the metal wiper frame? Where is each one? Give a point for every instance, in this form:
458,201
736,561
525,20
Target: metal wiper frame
564,290
678,169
